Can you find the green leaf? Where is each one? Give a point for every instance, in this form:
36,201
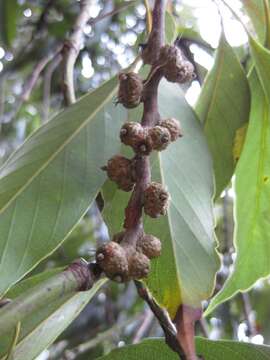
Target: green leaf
186,270
223,107
255,10
47,185
252,188
156,349
42,327
8,20
170,25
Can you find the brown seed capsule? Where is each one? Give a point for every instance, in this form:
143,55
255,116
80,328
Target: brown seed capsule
169,53
131,133
134,135
119,170
139,266
173,126
156,200
130,89
177,68
150,246
159,137
112,259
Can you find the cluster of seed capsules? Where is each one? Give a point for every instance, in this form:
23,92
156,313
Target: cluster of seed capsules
120,260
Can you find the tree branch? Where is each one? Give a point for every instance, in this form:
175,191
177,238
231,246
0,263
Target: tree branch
147,321
77,277
112,13
71,51
163,318
47,86
185,323
133,212
247,308
83,348
30,83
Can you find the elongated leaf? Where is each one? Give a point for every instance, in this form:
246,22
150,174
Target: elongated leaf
45,325
253,189
156,349
186,269
49,182
223,107
255,10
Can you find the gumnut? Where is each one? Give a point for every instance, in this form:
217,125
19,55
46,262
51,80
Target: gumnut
173,126
139,266
176,68
134,135
149,245
130,89
112,259
156,200
159,137
120,170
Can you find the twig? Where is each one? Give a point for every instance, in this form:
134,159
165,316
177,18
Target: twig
247,308
43,17
163,318
39,67
47,85
146,323
204,327
71,51
30,84
185,323
112,13
110,333
2,99
77,277
73,45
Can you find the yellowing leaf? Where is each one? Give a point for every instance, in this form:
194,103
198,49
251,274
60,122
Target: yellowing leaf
223,107
239,141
